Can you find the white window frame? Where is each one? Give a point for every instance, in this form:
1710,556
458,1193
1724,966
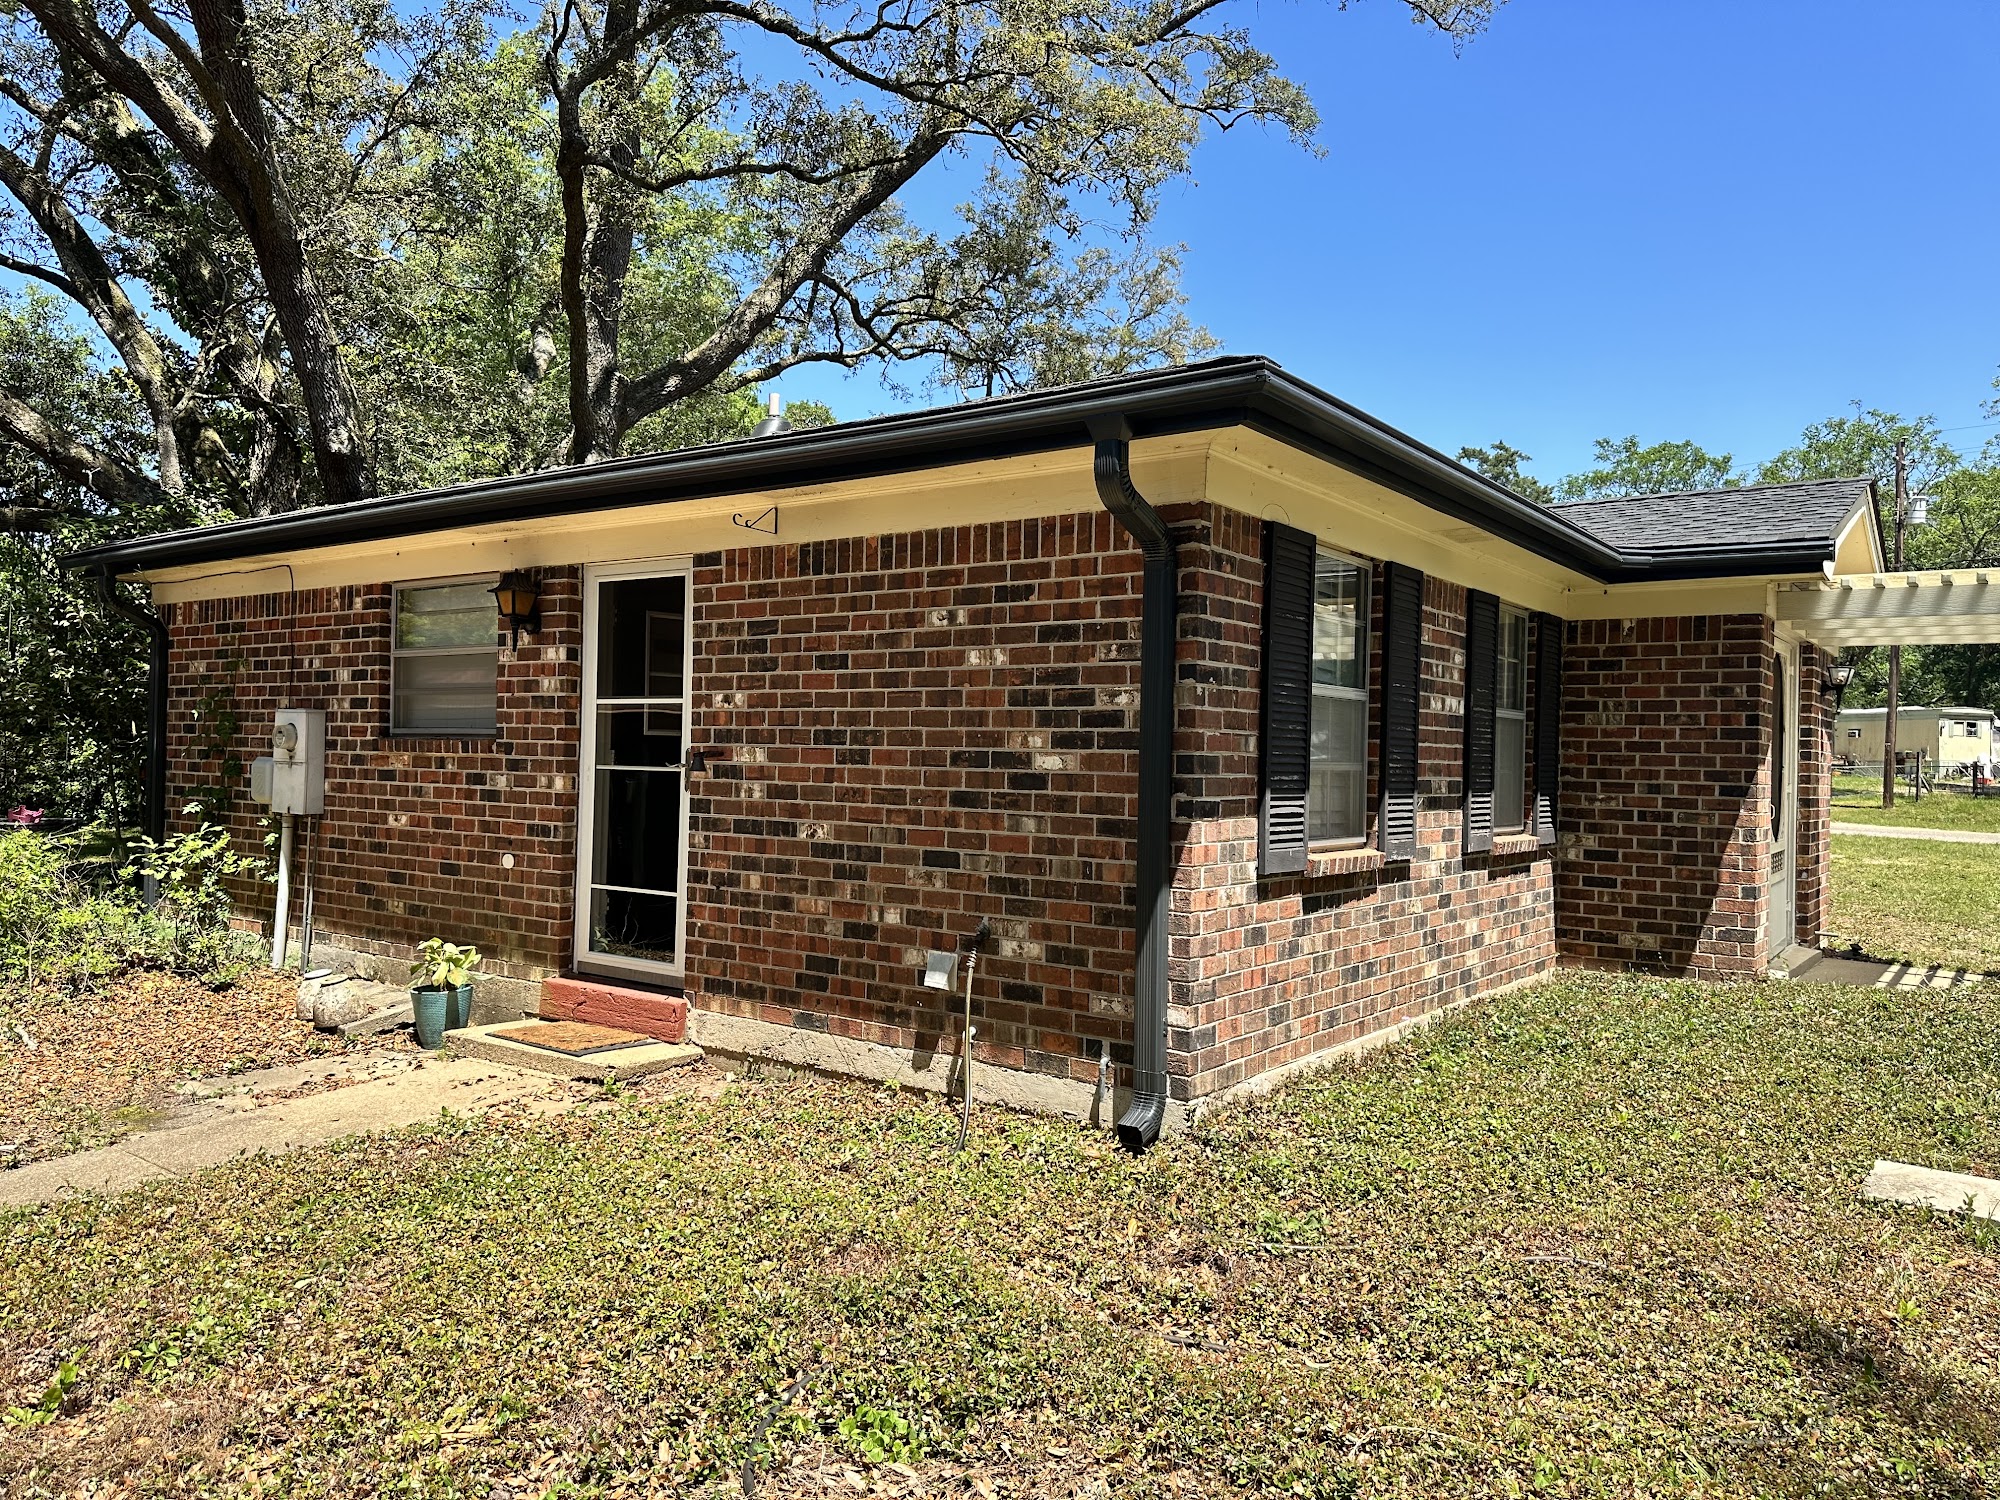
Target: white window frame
1365,640
1517,779
398,653
587,960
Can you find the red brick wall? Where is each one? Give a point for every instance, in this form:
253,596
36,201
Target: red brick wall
922,730
1666,794
1816,713
1269,971
415,829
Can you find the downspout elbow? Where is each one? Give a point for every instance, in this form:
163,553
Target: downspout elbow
1143,1119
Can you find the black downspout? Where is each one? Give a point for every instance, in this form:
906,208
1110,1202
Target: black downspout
156,698
1140,1125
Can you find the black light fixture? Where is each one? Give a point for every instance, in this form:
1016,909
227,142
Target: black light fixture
519,597
1838,675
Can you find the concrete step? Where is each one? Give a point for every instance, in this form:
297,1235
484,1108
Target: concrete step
648,1012
634,1061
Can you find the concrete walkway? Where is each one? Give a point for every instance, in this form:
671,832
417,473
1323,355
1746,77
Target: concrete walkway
226,1118
1875,973
1941,835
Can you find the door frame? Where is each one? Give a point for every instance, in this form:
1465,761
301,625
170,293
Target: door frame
584,960
1785,701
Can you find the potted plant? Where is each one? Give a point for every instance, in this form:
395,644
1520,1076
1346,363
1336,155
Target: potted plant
441,989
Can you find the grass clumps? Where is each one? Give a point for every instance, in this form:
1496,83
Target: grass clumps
1596,1237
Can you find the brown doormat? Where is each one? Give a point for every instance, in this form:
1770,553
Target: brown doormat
574,1038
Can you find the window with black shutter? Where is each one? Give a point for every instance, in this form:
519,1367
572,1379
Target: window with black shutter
1548,725
1402,642
1482,662
1287,750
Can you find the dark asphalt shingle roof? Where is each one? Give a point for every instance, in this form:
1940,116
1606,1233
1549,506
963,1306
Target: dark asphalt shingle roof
1806,510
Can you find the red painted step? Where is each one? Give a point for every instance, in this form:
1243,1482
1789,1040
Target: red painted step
647,1012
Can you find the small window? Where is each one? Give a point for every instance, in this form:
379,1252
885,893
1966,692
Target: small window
1337,802
1854,734
444,667
1510,724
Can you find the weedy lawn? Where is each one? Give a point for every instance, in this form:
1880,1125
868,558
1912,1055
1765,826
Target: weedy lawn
1919,900
1596,1237
1859,800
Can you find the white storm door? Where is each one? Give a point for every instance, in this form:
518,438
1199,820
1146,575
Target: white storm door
632,816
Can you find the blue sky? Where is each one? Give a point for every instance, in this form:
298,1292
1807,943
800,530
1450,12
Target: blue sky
1707,219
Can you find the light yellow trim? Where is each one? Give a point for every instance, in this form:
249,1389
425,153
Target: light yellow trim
1855,549
1263,477
1695,596
1167,470
1909,609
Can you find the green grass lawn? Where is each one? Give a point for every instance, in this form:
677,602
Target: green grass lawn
1599,1237
1859,800
1918,899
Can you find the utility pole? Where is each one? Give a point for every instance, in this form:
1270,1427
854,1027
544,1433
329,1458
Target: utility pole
1895,652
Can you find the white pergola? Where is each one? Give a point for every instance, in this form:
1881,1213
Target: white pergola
1961,607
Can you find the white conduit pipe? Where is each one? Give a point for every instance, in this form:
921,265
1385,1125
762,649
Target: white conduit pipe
283,917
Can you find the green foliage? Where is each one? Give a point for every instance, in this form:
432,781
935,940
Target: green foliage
1599,1235
1624,467
49,1405
1502,463
443,966
879,1436
189,871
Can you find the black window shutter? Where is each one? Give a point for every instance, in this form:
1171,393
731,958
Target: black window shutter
1548,724
1287,729
1482,667
1402,686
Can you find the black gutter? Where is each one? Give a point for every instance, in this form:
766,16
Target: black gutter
1244,391
156,697
1111,466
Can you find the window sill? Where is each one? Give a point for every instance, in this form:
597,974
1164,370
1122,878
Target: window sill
1515,843
1361,860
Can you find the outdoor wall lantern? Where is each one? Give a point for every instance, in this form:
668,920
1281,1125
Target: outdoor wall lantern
520,599
1838,675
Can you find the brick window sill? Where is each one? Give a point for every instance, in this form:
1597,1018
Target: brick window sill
1514,843
1343,862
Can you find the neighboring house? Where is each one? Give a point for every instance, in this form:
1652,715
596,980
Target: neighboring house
795,709
1948,737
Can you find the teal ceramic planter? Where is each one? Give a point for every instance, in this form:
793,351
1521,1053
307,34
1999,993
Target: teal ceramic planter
438,1010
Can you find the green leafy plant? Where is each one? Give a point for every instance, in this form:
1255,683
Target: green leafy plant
190,872
443,966
881,1436
50,1404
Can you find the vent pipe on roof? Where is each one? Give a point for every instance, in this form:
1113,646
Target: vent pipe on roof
1140,1125
774,424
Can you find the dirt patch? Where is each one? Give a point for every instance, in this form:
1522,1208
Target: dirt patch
101,1065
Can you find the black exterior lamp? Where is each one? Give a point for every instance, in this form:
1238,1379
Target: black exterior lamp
519,597
1838,675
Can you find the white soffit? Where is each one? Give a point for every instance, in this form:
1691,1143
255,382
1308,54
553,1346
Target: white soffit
1896,609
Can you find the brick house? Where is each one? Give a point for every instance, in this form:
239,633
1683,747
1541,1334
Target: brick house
1255,728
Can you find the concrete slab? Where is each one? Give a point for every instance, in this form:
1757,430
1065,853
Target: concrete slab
410,1096
596,1067
1877,973
1935,835
1924,1187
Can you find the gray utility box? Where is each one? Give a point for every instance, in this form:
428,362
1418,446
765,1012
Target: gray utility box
292,778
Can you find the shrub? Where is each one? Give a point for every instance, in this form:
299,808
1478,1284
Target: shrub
59,930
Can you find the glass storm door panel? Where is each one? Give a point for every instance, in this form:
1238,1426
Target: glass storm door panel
632,852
